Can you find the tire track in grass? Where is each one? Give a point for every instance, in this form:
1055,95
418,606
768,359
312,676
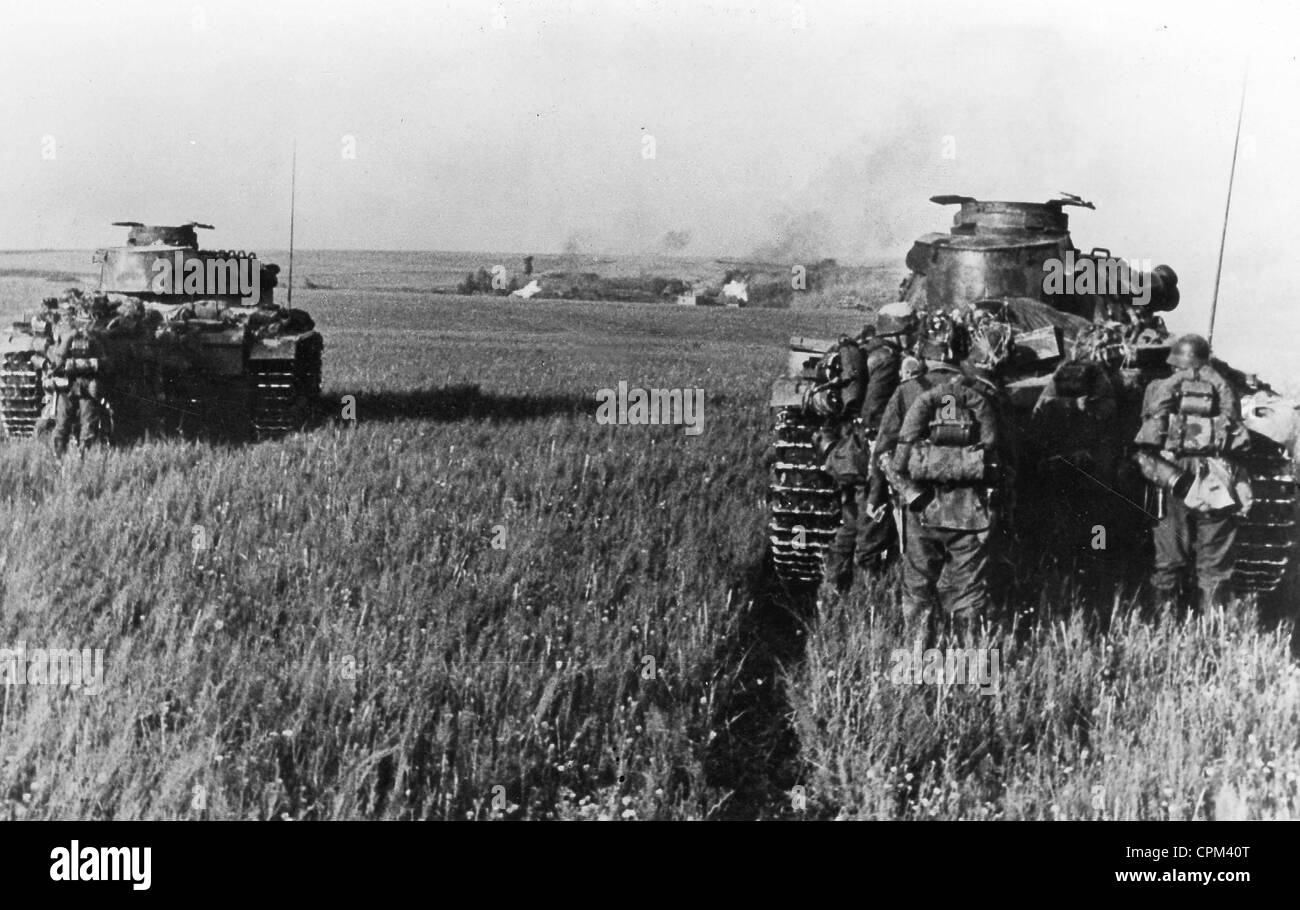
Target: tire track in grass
755,756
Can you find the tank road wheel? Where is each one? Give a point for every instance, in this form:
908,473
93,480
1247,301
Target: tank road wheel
21,397
803,502
1266,535
286,392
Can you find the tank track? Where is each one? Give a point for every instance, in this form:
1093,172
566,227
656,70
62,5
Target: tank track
1266,536
285,392
21,397
803,501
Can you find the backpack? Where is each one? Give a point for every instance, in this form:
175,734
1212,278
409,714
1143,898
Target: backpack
946,434
840,359
849,459
1197,425
79,361
840,368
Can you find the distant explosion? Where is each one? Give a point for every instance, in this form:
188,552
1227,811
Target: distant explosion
572,245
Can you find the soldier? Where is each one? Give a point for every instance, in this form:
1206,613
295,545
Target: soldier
76,362
940,447
1075,433
1191,433
870,380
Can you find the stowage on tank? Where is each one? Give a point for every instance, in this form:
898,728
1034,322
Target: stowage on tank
1078,318
193,343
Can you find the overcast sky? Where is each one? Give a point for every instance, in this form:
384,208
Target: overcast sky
522,126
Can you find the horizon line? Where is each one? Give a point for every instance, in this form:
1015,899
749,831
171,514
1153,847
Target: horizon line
725,257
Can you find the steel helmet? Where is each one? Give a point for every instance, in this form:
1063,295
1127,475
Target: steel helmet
1190,351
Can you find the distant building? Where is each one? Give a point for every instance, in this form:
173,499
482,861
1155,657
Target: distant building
698,294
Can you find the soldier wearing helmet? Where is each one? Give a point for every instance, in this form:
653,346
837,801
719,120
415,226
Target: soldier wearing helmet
76,361
1190,351
1190,439
946,525
1074,440
866,534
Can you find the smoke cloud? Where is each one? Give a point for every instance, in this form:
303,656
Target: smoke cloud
676,241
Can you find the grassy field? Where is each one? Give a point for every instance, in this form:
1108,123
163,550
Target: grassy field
477,602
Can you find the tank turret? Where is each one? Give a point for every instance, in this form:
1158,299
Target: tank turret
183,235
163,263
1024,250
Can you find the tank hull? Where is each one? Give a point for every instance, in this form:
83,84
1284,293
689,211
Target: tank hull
1001,253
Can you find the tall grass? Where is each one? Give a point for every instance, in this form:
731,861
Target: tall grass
322,627
476,602
1185,718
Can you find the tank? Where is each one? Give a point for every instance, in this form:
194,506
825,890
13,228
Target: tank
1003,257
193,340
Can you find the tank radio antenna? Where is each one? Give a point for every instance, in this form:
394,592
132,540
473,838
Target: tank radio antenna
293,193
1227,206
